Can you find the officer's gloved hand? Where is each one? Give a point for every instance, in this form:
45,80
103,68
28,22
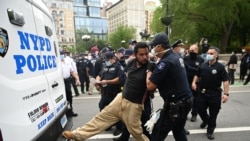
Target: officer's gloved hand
151,66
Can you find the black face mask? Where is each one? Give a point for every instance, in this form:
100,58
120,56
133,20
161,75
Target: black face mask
193,55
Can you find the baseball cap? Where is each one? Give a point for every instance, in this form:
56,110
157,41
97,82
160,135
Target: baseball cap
128,52
160,38
121,49
132,41
109,55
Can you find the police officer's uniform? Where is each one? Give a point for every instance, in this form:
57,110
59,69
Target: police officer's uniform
192,65
110,91
67,68
82,65
210,91
171,80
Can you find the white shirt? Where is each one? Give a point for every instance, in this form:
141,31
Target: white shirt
72,62
67,68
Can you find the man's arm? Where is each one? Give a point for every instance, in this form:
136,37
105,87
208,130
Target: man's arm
150,85
226,91
195,79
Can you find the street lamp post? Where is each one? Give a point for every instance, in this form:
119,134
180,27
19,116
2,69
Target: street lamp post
86,39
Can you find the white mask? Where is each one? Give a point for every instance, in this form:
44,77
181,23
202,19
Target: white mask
209,57
62,57
156,53
108,63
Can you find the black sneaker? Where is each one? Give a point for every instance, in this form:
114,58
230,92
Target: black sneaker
210,136
74,114
187,132
117,139
117,132
203,125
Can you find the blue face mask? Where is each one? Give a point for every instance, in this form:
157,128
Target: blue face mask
62,57
209,57
108,63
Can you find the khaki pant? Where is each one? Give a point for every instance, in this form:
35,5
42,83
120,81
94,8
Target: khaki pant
119,109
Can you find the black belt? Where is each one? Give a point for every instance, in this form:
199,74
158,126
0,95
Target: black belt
205,90
67,79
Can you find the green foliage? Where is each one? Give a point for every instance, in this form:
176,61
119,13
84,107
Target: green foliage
122,33
223,22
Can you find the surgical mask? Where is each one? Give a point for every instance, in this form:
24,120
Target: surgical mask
108,63
62,57
209,57
156,53
182,52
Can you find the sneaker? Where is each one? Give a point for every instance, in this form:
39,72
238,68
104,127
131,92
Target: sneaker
210,136
187,132
117,139
67,134
89,93
194,118
117,132
74,114
203,125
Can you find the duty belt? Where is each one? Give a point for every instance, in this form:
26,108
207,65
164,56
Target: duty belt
204,90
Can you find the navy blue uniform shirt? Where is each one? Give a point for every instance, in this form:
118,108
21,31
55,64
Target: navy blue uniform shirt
111,72
192,66
170,77
211,76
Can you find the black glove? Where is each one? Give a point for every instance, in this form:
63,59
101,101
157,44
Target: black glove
151,66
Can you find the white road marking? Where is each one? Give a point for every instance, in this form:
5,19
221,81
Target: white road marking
194,131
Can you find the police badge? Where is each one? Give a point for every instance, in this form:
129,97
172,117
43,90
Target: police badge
4,42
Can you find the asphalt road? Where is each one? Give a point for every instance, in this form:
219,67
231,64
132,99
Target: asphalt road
233,123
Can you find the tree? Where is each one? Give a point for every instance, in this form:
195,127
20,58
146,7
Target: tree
122,33
212,19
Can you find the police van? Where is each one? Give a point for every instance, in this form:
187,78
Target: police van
33,102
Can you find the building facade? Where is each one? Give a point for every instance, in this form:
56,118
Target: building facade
128,13
63,16
88,19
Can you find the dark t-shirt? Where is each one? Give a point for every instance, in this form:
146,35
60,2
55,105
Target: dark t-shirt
135,85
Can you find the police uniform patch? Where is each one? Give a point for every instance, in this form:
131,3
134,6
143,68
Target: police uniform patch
122,68
214,71
181,62
161,65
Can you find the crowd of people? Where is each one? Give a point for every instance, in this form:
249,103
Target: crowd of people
187,81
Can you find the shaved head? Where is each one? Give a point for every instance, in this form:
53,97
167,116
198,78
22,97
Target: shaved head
193,48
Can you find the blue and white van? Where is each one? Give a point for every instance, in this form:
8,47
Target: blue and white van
32,94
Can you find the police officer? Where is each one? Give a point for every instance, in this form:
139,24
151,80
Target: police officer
120,56
73,63
68,70
211,74
169,76
82,69
109,80
99,62
192,63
